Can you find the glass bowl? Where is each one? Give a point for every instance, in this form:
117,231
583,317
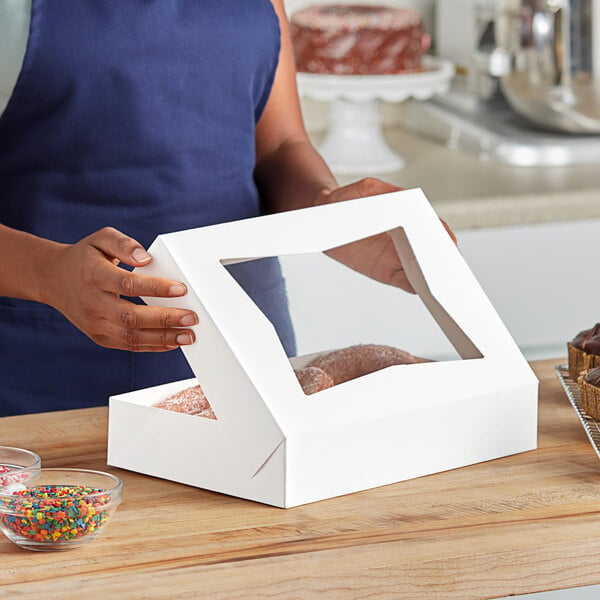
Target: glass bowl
59,509
17,465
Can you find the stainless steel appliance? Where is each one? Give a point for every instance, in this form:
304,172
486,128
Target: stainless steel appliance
529,92
551,71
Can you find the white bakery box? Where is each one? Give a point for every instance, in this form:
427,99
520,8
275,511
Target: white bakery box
272,443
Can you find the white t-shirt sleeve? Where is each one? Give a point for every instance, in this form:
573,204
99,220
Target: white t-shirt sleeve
15,16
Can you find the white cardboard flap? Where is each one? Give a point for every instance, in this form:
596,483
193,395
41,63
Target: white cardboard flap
240,411
190,449
238,353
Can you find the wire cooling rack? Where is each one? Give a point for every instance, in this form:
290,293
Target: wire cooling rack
590,425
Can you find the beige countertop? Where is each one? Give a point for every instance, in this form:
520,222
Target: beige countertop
470,193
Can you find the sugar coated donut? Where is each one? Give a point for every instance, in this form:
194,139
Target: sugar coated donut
356,361
191,401
313,379
323,372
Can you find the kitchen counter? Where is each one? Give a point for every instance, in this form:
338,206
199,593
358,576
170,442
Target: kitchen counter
471,193
524,523
468,192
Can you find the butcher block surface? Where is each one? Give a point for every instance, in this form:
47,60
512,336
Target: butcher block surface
524,523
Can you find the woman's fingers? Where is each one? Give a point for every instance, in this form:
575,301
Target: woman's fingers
115,244
108,276
133,316
143,340
136,328
125,283
449,231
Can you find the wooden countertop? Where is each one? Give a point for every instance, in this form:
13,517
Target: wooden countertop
525,523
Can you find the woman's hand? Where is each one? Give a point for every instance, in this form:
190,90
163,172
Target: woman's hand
375,256
84,282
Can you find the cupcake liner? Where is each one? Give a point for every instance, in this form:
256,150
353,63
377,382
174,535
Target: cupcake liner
590,361
580,361
576,361
590,396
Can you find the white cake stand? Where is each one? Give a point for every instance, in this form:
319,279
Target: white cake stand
354,141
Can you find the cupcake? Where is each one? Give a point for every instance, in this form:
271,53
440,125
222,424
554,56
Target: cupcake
589,384
584,351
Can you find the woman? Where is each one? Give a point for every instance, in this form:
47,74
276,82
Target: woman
130,119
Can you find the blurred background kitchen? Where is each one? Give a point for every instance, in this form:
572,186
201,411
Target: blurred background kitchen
509,156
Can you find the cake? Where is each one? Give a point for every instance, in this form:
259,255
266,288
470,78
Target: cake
357,39
584,351
589,384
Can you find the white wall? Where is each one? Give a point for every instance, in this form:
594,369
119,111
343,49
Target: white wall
542,280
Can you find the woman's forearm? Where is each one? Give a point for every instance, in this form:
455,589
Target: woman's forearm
293,176
24,261
289,172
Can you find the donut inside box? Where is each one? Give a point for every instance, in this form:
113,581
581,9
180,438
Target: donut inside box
274,444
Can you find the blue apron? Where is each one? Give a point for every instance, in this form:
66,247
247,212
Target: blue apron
138,115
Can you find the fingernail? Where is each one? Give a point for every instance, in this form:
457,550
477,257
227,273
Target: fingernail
177,289
140,255
184,339
189,319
